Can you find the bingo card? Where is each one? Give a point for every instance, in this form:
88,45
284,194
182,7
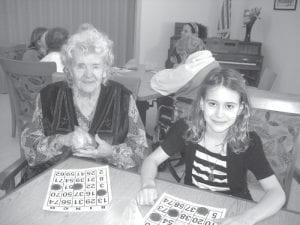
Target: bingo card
77,190
170,210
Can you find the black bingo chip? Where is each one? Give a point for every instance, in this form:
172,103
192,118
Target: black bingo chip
101,192
202,210
155,217
55,187
173,212
77,186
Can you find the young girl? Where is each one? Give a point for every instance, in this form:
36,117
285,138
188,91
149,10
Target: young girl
218,148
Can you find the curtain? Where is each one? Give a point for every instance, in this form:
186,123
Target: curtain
116,18
224,21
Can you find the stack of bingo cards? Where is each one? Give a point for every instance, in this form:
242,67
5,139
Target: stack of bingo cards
77,190
172,210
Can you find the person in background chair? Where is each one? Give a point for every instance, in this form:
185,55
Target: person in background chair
184,80
37,48
188,30
87,116
55,39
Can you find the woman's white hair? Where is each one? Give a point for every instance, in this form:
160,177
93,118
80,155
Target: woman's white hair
87,40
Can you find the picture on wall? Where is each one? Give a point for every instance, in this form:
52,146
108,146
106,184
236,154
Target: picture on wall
285,4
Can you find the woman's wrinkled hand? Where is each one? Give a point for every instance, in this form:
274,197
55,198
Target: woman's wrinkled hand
79,138
147,196
103,150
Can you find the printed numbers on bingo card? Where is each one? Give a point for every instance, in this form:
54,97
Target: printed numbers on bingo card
79,190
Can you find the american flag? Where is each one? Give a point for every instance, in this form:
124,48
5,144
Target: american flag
225,20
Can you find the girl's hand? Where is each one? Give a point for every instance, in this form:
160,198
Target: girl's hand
147,196
103,150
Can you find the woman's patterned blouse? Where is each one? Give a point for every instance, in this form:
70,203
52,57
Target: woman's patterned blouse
39,149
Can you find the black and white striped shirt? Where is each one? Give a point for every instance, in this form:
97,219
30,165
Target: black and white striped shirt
201,170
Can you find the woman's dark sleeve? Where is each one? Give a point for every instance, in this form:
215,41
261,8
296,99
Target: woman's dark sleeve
174,141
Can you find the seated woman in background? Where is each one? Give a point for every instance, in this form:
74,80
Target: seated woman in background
87,116
55,39
37,47
218,148
196,62
188,29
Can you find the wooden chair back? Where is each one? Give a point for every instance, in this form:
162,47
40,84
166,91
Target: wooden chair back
25,80
13,52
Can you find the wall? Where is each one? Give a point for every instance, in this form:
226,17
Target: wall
156,25
277,30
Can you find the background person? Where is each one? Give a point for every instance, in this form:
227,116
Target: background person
188,30
218,148
55,39
37,48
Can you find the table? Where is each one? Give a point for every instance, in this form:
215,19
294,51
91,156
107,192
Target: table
146,94
24,205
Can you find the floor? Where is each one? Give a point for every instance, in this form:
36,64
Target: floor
9,150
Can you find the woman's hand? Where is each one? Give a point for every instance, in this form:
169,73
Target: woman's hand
147,196
104,150
79,138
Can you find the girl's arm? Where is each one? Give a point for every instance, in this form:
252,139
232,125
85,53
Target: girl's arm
148,193
271,203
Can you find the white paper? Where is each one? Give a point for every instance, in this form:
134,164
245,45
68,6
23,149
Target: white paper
169,209
79,190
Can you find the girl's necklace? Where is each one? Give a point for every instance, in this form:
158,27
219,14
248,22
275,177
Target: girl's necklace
211,165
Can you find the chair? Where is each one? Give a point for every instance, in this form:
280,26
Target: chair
267,80
13,52
25,80
279,130
167,115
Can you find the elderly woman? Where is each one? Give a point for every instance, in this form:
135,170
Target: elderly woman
88,115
